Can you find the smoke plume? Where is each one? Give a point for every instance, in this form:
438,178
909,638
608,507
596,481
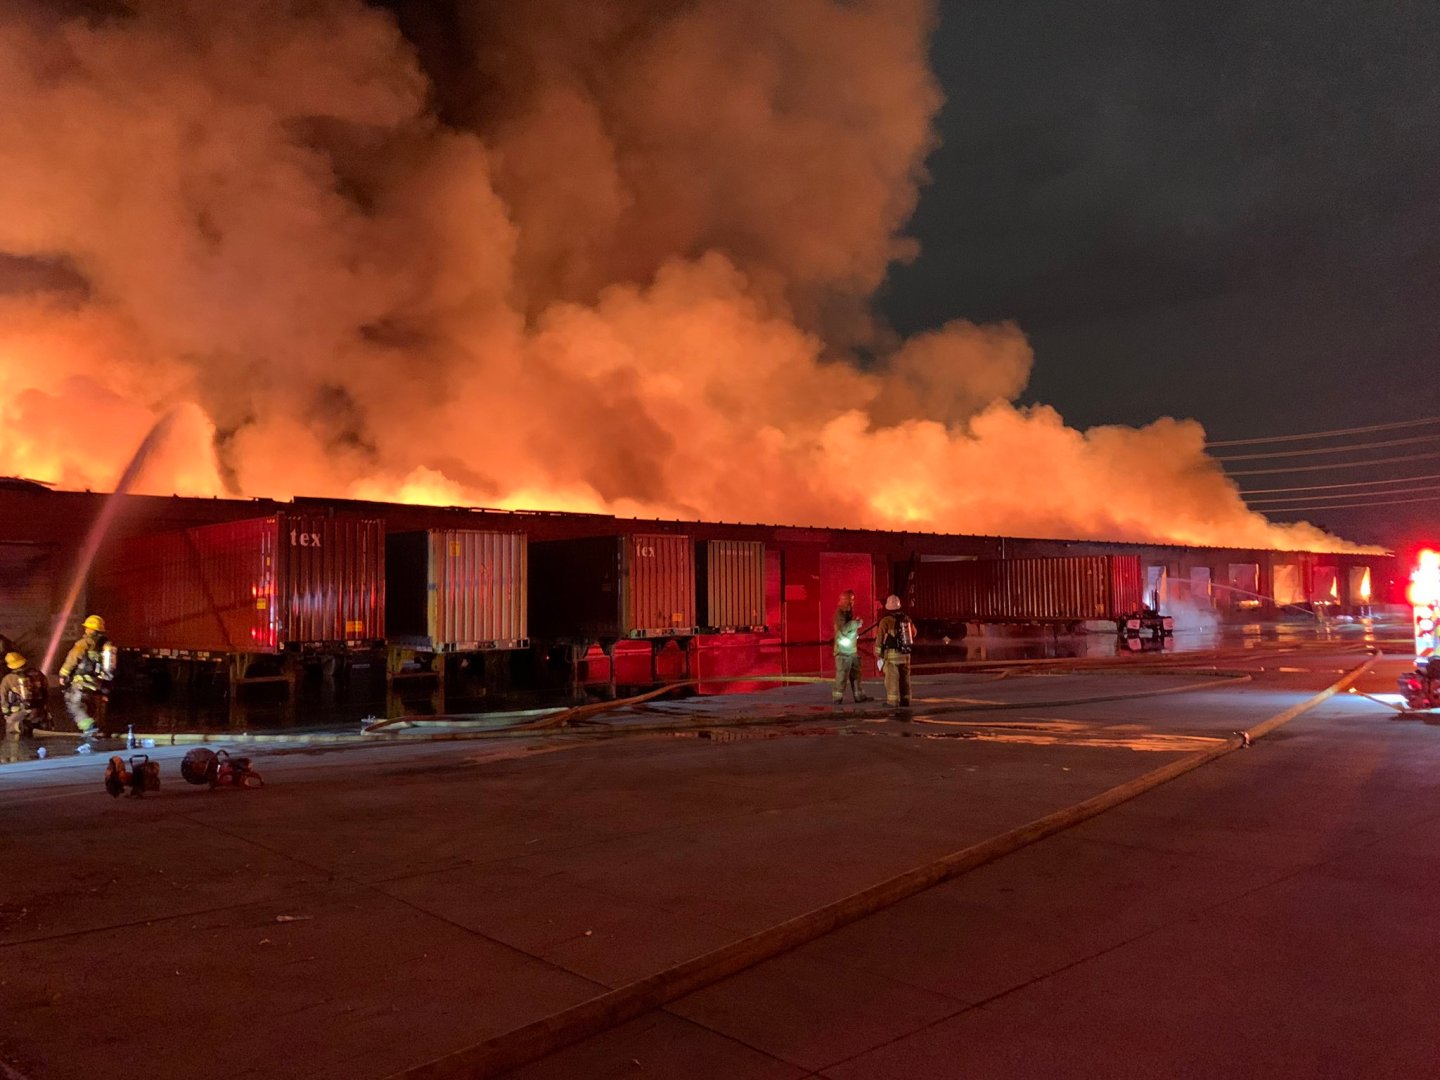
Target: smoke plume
557,254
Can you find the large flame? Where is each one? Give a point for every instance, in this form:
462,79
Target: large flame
1424,587
627,269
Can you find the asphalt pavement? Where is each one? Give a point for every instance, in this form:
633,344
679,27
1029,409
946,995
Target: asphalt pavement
377,907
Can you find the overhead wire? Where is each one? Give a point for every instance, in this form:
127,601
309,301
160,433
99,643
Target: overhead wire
1334,465
1351,495
1393,425
1409,441
1345,506
1328,487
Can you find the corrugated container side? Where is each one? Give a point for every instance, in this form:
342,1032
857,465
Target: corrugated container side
731,584
477,589
1071,588
1127,589
258,585
208,589
658,576
333,575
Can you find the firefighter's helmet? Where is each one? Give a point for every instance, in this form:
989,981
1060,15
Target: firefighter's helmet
14,661
95,623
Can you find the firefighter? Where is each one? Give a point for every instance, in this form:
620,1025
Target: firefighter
894,638
847,650
23,697
86,676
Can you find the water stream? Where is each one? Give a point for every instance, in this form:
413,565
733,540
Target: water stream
100,527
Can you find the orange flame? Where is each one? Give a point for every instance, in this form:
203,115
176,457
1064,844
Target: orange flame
1425,581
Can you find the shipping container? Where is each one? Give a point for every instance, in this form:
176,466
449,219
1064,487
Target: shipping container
456,590
263,585
1063,589
610,587
730,577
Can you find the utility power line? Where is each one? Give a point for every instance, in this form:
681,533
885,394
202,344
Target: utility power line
1329,449
1334,465
1328,487
1345,506
1325,434
1324,498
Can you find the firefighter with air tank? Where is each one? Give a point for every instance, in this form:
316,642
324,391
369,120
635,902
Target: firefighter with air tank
23,696
86,675
894,639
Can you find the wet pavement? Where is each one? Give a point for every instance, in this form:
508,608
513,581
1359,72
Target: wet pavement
384,901
713,667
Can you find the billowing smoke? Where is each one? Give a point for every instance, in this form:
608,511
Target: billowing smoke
556,254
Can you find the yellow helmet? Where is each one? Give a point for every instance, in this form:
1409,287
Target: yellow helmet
96,623
14,661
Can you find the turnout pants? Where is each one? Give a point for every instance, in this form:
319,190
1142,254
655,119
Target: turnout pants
24,721
87,708
897,678
847,671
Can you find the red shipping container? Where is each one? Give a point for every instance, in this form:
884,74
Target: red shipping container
1064,589
258,586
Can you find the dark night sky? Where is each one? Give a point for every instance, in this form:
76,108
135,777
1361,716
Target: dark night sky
1227,210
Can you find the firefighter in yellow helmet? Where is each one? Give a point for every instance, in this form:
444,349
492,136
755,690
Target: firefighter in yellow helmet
894,638
86,675
23,697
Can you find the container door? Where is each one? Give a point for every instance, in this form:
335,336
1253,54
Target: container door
1125,585
477,590
659,586
734,575
334,579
